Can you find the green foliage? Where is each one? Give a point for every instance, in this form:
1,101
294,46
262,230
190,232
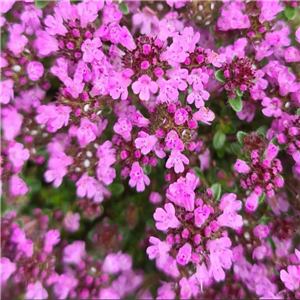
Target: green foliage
240,136
40,4
236,103
219,75
290,12
116,189
217,190
219,140
124,8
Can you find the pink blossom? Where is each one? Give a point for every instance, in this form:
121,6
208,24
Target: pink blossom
291,277
64,284
248,111
74,87
157,248
155,198
173,141
108,293
272,151
74,253
252,202
197,78
165,218
6,91
44,38
231,219
269,10
168,92
17,186
17,43
36,291
123,127
292,55
273,107
87,12
17,154
7,269
181,115
241,167
204,115
87,132
55,25
118,86
71,222
202,214
202,275
198,97
144,86
188,288
56,176
184,254
177,160
146,20
145,142
86,186
138,178
297,35
90,49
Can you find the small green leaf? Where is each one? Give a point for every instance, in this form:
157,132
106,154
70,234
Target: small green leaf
236,103
298,112
147,169
40,4
228,129
220,75
239,92
116,189
240,136
219,140
290,12
197,171
216,189
261,198
124,8
262,130
236,149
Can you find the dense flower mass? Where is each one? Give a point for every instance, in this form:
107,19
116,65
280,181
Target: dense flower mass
194,105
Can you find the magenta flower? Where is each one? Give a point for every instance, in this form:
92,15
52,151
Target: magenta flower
144,86
252,202
6,91
165,218
292,55
74,253
86,186
173,141
272,107
145,142
17,186
197,78
202,214
90,49
188,287
7,269
36,291
204,115
138,178
177,160
291,277
17,154
181,115
71,222
158,249
87,132
241,167
55,25
184,254
198,97
123,127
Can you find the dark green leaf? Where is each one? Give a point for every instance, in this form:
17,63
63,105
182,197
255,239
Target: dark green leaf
124,8
216,189
240,136
236,149
40,4
262,130
219,139
228,129
236,103
298,111
261,198
290,12
147,169
116,189
239,92
107,110
197,171
220,75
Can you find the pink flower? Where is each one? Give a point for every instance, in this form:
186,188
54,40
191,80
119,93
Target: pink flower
115,263
173,141
64,284
155,197
55,175
36,291
145,142
202,214
86,186
17,186
252,202
197,78
181,115
273,107
90,49
292,55
165,218
87,132
143,86
6,91
146,20
17,43
74,253
204,115
138,178
17,155
231,219
35,70
74,87
272,151
108,293
55,25
202,275
168,93
71,222
297,35
188,288
87,12
158,249
198,97
247,112
123,127
7,269
177,160
241,167
269,10
184,254
291,277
